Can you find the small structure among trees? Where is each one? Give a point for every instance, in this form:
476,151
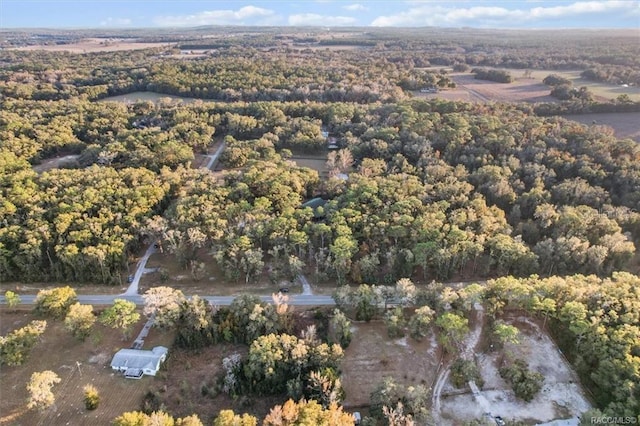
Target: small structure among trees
137,362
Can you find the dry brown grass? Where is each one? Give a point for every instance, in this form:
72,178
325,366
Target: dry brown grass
372,356
77,364
180,386
95,45
213,281
625,125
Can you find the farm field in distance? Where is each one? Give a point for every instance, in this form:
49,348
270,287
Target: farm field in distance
90,45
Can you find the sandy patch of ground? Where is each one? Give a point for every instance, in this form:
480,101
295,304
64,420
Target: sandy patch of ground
134,97
561,397
55,163
95,45
625,125
372,356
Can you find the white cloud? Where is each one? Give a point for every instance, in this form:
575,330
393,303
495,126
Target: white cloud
313,19
248,15
355,7
115,22
432,15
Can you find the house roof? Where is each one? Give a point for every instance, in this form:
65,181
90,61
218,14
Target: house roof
136,358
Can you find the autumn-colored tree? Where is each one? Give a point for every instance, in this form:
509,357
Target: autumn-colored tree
79,320
40,394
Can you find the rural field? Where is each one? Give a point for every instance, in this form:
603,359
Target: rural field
523,89
89,45
363,368
134,97
601,90
77,364
625,125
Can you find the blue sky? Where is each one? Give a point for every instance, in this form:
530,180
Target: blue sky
462,13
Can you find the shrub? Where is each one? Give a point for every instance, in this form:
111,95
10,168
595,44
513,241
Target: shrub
91,397
526,384
463,371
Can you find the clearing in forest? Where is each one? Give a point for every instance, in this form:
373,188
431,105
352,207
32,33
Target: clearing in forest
372,356
561,396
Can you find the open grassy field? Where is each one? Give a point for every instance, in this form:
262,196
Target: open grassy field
145,96
624,125
77,364
523,89
602,90
89,45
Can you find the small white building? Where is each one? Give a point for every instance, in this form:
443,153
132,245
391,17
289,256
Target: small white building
134,363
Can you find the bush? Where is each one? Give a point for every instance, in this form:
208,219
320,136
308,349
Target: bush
556,80
463,371
499,76
526,384
91,397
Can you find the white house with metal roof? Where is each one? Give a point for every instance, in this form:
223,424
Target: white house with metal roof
137,362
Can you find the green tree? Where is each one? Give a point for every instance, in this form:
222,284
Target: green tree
342,249
395,322
79,321
506,333
12,299
229,418
121,315
367,302
55,302
339,329
453,328
307,413
526,384
91,397
39,388
15,347
420,322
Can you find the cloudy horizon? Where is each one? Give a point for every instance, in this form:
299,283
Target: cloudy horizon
326,13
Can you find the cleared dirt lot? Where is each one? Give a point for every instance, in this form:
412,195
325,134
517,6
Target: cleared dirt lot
95,45
625,125
372,356
133,97
561,396
77,364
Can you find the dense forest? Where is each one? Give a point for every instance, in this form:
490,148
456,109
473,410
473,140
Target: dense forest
423,188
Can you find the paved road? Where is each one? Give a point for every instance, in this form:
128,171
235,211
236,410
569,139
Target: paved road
107,299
